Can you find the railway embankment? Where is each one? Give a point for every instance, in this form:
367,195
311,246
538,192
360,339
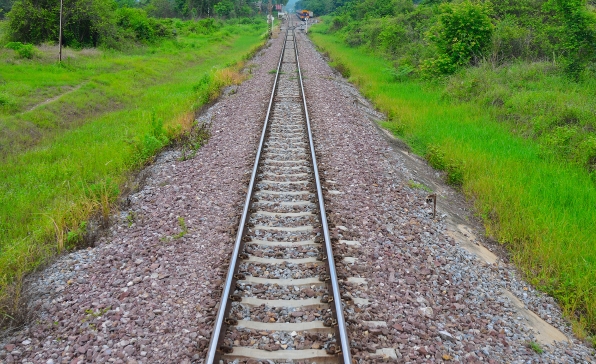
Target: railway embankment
528,193
434,290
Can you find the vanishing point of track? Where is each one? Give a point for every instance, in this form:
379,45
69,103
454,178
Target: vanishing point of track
281,296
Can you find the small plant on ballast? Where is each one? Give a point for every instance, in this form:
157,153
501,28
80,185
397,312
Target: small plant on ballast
536,347
183,228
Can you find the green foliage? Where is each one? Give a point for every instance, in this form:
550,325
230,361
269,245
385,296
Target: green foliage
536,103
438,159
518,140
224,8
192,140
204,26
76,236
461,36
135,24
162,9
86,22
5,6
419,186
53,178
401,73
150,143
535,347
23,50
183,228
440,37
90,23
578,34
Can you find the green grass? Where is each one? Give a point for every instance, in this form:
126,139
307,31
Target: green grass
542,209
65,160
538,102
535,347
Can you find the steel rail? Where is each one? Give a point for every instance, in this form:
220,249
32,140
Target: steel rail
341,323
224,307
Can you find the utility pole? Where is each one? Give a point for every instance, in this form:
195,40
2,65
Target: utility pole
60,35
270,19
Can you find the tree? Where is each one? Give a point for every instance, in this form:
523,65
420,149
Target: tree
5,6
162,9
224,8
85,22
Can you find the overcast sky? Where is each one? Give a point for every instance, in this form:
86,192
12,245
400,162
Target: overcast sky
291,4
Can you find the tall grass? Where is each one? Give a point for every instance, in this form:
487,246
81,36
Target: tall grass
130,105
542,209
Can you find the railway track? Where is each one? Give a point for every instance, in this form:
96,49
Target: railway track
281,299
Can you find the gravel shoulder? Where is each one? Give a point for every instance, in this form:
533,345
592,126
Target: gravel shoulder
147,292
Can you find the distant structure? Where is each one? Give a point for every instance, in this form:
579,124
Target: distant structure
304,14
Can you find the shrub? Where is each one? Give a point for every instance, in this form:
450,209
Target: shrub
339,22
204,26
454,170
23,50
161,9
511,41
461,36
392,37
136,21
577,32
149,144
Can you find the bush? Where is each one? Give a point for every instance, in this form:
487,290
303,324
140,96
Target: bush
161,9
577,32
149,144
454,170
392,37
511,41
461,36
23,50
136,22
204,26
339,22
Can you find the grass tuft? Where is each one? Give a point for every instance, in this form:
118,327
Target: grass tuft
535,347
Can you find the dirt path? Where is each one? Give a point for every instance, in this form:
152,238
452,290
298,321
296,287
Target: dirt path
55,98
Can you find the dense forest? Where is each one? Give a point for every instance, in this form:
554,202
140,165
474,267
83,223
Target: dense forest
115,23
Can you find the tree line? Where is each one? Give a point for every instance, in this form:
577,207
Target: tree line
438,36
117,23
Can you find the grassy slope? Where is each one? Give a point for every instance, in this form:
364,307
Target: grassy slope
543,210
539,102
46,177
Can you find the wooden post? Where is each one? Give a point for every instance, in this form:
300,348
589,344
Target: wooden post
60,34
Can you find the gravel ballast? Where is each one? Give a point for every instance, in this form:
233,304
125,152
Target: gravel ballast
147,293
